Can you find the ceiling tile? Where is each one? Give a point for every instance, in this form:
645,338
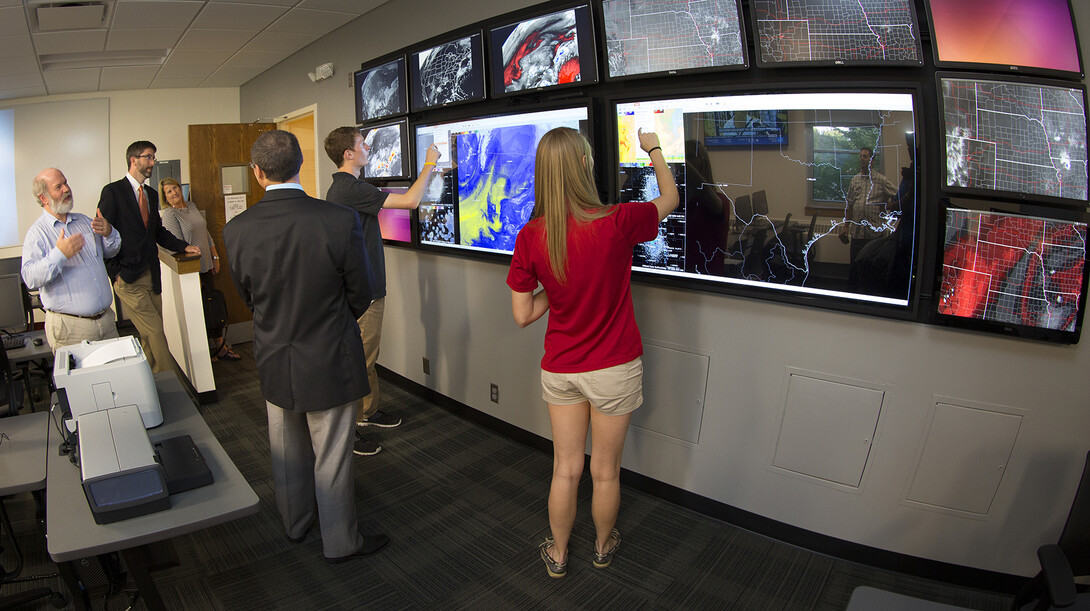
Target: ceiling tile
27,92
170,14
310,22
214,39
239,74
77,76
156,38
230,16
174,83
276,41
269,2
15,46
265,59
172,70
198,57
13,21
28,64
357,7
32,79
118,82
82,41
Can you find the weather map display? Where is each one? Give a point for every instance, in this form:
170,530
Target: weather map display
1017,138
1011,270
837,32
380,91
450,73
486,193
389,150
652,36
743,219
552,50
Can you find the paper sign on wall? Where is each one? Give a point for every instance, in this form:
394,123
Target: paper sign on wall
233,205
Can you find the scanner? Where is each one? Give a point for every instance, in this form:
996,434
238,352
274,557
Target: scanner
106,374
121,477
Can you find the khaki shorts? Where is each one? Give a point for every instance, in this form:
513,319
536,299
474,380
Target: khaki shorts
613,391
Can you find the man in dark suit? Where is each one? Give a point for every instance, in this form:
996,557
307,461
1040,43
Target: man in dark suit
300,266
133,208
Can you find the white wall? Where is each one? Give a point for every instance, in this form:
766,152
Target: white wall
456,312
85,136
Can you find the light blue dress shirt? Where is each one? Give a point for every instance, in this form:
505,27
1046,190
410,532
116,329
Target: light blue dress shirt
77,286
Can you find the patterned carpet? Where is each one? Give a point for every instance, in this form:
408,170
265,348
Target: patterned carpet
465,508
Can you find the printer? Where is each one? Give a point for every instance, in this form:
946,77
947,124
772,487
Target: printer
121,477
106,374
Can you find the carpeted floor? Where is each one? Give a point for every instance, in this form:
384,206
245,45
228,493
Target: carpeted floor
465,508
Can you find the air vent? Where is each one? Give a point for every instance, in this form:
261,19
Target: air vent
70,16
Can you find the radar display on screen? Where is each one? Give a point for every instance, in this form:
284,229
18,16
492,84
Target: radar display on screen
837,32
380,91
389,150
650,36
450,73
548,51
1037,35
486,193
747,216
1018,138
1013,270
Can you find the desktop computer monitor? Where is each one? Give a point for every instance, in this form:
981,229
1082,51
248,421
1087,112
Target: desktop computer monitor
12,313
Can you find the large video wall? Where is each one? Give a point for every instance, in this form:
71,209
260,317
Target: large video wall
898,158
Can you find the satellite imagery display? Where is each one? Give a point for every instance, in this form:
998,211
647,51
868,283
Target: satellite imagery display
542,52
1012,269
381,91
449,73
387,146
1015,137
647,36
867,31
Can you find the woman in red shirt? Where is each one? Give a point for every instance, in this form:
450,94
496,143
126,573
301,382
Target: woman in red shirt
580,251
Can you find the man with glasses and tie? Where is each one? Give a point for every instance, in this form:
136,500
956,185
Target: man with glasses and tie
133,208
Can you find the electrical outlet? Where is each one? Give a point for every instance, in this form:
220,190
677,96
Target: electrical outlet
427,366
494,393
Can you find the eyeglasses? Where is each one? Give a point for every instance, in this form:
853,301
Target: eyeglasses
150,156
252,165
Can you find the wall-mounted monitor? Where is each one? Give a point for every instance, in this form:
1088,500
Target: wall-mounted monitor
486,194
665,37
395,225
1026,36
1014,274
544,52
836,32
801,219
448,73
1015,138
381,90
388,158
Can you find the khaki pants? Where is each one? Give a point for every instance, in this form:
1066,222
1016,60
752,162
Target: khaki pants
64,330
145,309
371,332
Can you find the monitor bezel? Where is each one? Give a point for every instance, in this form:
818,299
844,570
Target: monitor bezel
907,311
406,148
403,91
603,49
492,254
1000,195
838,62
1027,332
495,68
1005,69
413,71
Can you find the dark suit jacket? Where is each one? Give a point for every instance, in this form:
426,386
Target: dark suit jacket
300,266
138,243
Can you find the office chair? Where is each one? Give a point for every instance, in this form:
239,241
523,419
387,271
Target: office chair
11,390
21,598
1054,586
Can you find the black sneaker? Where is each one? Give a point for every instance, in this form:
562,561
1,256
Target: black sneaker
363,447
380,418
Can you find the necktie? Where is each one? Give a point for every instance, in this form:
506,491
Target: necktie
143,205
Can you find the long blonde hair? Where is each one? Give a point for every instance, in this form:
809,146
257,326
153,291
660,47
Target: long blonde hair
564,186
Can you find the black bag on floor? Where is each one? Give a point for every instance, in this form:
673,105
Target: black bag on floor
215,310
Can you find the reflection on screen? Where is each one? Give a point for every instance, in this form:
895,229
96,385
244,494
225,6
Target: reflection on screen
671,35
389,150
450,73
750,215
1016,138
380,91
547,51
1028,33
488,194
1011,269
837,31
395,224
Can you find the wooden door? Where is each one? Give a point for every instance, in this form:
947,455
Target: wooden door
211,149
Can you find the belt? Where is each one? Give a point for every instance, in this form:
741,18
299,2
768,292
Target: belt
91,317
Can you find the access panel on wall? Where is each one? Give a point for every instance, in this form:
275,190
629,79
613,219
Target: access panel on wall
486,192
807,194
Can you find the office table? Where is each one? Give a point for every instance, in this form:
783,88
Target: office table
22,466
73,533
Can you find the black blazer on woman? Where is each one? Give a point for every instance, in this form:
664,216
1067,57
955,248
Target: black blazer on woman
300,266
138,243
